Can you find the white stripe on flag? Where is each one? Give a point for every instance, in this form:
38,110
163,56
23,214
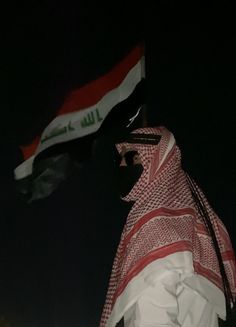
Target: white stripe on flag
24,169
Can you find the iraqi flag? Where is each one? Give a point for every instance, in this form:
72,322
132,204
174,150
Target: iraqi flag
109,103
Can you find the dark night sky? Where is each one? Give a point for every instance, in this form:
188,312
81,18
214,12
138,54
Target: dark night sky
56,254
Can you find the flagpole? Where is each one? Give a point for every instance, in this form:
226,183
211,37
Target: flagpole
143,73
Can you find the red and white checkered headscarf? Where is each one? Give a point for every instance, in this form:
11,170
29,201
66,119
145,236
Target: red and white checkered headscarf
164,220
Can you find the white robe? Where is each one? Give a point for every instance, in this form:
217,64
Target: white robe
171,303
167,293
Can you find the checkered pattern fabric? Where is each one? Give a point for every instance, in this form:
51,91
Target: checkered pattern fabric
164,220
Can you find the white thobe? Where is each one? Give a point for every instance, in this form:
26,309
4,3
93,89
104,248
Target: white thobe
171,303
168,293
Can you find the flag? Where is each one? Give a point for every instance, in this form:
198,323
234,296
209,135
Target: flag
108,103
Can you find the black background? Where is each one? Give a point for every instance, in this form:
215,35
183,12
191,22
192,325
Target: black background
56,254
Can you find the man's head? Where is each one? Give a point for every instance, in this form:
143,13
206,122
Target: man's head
129,170
141,154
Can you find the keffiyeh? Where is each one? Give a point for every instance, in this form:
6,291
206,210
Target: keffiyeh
164,220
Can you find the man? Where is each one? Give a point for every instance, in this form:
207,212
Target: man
175,265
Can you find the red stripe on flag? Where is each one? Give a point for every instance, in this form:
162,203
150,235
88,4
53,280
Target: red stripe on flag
92,92
29,150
